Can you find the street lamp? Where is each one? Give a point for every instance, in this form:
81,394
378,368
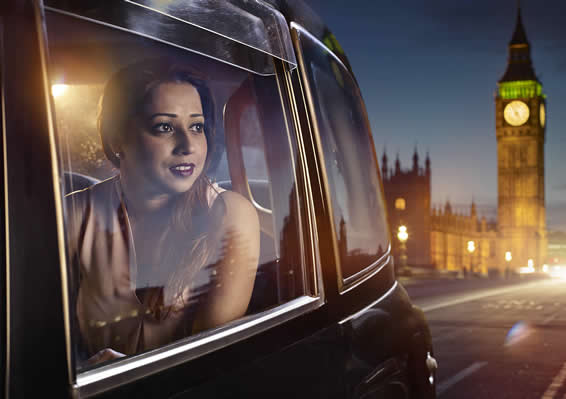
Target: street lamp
471,250
403,236
531,266
508,258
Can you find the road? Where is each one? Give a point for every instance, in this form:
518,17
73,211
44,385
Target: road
497,339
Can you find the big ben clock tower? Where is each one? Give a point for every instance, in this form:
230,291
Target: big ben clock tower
520,116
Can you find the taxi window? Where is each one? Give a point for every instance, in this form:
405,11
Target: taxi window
180,199
351,166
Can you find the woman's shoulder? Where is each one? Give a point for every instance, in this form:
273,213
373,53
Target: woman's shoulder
235,201
233,207
102,188
101,194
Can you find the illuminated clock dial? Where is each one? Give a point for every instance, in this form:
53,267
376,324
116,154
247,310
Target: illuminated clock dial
516,113
542,115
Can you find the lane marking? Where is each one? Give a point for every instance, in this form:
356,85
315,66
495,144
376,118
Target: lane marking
474,296
456,378
555,384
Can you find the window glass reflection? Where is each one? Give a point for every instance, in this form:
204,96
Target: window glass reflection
179,216
357,202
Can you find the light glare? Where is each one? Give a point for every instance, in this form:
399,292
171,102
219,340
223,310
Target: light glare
526,270
402,235
471,246
58,89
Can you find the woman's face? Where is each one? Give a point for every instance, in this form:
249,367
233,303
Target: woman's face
165,147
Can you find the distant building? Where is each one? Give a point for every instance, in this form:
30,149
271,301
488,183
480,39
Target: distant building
520,122
438,238
463,242
407,194
448,240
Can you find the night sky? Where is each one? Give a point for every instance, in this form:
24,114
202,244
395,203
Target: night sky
428,72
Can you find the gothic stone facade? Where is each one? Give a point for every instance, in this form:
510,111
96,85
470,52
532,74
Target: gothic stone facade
440,238
407,193
450,237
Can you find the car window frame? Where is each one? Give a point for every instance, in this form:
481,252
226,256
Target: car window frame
347,284
29,183
108,377
4,336
130,16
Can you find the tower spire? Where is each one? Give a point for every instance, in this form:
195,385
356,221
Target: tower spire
519,64
473,209
384,167
416,161
519,35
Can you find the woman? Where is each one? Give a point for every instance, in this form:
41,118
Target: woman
161,253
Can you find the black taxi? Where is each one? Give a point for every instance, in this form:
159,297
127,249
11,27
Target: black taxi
192,207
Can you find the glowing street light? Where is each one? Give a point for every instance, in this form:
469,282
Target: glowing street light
471,246
471,249
508,258
403,236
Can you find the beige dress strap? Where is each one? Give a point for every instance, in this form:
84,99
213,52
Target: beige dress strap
212,192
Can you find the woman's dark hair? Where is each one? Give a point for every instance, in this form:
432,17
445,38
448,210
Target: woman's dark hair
125,95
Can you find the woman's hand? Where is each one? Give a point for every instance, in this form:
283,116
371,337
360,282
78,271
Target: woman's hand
104,355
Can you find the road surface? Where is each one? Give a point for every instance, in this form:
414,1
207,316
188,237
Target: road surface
497,339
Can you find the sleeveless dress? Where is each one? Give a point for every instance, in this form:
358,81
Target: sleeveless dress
109,311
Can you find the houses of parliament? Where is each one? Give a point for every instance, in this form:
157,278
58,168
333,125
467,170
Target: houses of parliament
448,240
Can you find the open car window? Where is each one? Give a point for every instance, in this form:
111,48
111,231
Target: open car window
181,207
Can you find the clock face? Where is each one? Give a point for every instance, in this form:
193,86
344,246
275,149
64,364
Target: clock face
542,115
516,113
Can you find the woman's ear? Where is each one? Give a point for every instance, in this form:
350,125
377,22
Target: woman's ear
117,151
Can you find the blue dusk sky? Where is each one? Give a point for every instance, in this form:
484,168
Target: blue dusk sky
428,71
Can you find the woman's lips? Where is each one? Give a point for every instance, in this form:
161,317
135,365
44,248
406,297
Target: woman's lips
183,169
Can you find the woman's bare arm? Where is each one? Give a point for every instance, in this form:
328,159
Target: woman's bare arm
234,275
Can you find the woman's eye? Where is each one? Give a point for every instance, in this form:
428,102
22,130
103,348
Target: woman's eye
162,128
197,127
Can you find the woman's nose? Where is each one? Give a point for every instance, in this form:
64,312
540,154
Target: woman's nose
184,144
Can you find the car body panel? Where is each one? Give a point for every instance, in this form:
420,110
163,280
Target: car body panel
358,343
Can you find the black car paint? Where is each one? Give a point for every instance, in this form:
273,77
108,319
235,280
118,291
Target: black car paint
379,353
